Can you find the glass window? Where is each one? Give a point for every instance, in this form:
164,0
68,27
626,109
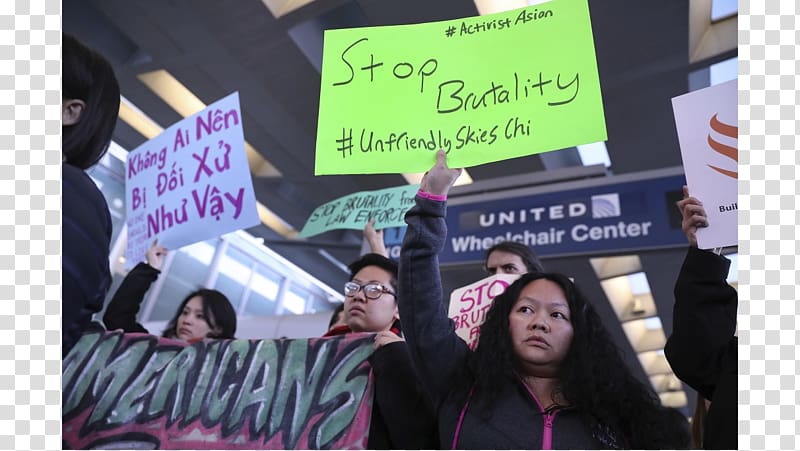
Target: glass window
234,275
722,9
187,272
264,288
295,299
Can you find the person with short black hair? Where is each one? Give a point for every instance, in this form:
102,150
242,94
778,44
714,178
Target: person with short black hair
89,109
402,415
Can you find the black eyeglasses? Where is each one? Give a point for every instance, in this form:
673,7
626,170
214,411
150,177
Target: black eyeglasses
371,290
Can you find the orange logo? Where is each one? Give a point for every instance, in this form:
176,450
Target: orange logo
730,131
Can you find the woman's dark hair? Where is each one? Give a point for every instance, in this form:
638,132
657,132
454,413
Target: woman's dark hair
529,258
217,309
87,76
593,377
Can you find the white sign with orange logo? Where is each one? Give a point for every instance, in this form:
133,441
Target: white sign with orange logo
708,134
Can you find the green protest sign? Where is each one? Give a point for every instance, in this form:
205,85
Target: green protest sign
484,88
387,206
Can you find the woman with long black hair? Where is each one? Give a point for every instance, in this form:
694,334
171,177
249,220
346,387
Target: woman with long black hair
545,373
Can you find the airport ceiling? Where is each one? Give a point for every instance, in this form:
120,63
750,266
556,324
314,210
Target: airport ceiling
215,47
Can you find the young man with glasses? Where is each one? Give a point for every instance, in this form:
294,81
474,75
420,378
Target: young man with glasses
402,414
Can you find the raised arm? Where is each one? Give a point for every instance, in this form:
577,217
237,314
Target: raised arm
435,348
124,306
702,345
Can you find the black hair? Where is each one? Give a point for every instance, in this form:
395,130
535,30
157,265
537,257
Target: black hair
217,309
529,258
593,378
86,75
335,315
378,260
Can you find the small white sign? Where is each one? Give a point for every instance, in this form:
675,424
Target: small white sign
708,132
469,304
190,183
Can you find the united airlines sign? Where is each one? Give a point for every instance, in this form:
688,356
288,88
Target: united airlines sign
601,219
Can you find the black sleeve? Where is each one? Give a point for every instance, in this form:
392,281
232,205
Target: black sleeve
404,406
85,273
438,353
121,311
702,346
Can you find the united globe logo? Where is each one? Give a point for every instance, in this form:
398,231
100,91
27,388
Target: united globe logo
605,206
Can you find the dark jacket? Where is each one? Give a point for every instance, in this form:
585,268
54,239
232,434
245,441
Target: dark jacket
124,306
702,349
402,414
515,420
85,238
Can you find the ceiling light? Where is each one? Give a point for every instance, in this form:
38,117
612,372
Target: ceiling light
185,103
137,119
280,8
594,153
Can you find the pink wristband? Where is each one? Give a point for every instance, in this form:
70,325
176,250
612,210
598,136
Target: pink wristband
439,197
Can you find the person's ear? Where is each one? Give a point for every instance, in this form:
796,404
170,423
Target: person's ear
71,111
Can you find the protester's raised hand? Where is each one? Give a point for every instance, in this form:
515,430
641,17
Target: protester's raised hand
693,216
375,239
155,255
440,178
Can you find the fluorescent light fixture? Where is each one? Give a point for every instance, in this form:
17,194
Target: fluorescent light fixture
654,362
416,177
185,103
606,267
643,338
594,153
137,119
280,8
275,222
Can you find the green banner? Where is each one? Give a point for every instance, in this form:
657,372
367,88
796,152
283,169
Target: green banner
387,206
485,89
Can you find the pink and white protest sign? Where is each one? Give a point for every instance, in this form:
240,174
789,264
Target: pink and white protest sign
190,183
469,304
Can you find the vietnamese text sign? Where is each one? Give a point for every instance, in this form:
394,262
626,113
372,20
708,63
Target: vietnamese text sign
484,89
469,304
387,206
138,391
607,218
708,134
190,183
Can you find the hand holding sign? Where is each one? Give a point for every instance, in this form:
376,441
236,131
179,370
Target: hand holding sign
155,255
693,214
440,178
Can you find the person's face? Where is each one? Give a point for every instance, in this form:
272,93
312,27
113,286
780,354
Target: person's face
371,315
192,323
540,327
501,262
